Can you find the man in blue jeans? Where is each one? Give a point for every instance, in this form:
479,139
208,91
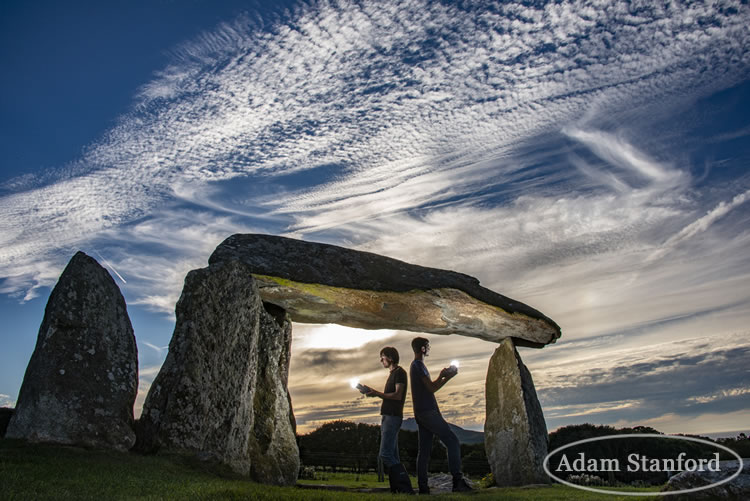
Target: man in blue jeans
392,414
429,420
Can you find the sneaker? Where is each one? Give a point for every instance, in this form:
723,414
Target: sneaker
461,485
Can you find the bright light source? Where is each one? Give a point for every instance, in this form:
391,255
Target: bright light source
454,363
353,382
333,336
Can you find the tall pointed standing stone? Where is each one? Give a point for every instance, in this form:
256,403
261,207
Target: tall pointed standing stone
514,430
81,383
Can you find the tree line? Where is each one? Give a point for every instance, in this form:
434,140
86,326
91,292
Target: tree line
347,446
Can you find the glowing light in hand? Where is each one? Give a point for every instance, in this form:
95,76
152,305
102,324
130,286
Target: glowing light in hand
353,382
454,363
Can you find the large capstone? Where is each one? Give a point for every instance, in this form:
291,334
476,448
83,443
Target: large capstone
81,383
221,393
515,434
320,283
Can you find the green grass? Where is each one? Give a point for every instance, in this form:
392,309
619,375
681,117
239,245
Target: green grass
350,480
62,473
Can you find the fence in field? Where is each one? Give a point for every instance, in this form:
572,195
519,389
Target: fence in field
368,462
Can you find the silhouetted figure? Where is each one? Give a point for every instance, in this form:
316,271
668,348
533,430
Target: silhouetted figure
429,420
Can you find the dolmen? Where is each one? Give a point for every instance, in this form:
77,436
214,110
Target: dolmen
221,394
321,283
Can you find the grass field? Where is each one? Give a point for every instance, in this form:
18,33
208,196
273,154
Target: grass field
351,480
52,472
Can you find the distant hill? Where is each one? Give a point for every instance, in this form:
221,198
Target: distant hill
464,436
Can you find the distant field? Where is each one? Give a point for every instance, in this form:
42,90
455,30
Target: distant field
63,473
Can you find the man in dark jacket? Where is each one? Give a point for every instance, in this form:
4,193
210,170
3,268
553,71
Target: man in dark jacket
429,420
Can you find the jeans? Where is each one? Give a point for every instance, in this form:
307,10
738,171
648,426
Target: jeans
431,423
389,426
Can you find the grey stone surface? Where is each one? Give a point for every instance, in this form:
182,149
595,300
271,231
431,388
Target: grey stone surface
81,382
321,283
514,430
737,489
221,393
275,456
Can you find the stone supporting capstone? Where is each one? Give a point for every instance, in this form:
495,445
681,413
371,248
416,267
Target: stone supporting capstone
515,434
221,393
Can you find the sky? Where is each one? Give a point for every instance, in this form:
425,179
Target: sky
588,158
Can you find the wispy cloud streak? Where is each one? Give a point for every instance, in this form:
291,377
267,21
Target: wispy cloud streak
700,225
408,98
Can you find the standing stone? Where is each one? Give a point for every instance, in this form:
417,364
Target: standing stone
221,393
514,430
274,452
81,383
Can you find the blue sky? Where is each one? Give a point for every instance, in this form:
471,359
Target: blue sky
587,158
